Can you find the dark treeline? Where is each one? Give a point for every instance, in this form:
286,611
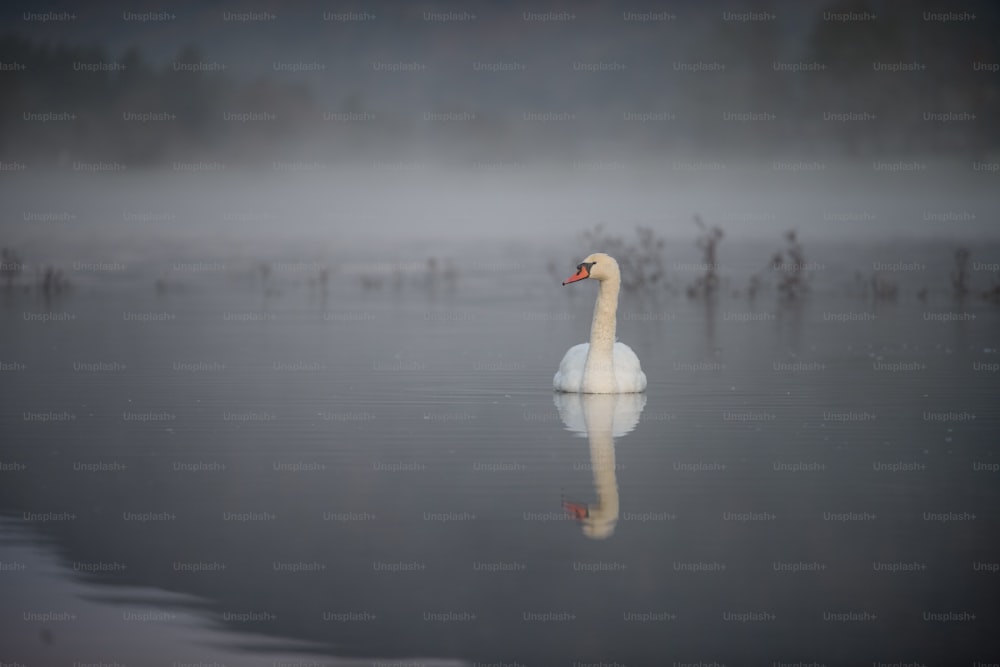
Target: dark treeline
185,108
827,90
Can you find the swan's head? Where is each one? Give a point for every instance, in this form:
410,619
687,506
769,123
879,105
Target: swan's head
598,266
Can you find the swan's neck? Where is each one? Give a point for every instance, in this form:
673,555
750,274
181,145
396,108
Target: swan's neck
602,329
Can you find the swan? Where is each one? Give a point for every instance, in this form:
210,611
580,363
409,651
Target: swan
602,366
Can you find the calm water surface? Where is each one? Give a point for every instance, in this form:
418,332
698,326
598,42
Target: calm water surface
384,476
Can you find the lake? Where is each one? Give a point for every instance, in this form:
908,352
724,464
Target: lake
209,462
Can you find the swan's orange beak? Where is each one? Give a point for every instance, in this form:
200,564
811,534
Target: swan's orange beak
583,272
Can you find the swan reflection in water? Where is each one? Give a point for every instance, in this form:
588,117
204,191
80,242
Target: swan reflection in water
600,418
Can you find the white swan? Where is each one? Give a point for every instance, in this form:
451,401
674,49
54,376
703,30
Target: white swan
602,366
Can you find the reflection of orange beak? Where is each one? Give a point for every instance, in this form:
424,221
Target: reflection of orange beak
579,511
584,272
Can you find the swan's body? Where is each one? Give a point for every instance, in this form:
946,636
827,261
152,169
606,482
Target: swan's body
602,366
628,377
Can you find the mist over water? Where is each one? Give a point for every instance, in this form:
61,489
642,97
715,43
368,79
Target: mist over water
280,307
